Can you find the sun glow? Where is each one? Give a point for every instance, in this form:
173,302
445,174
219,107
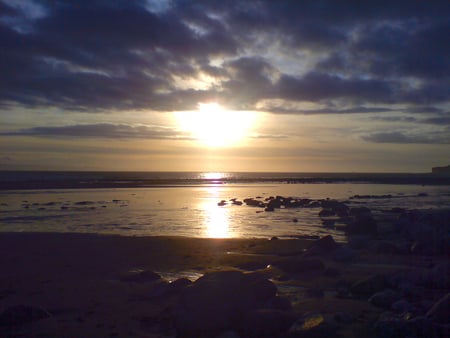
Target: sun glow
214,126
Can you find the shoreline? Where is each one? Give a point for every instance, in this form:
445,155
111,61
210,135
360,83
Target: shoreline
91,284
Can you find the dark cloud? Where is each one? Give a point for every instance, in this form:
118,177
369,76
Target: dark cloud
402,138
354,110
102,55
101,130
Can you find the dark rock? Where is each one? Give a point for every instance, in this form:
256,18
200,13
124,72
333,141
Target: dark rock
391,326
279,303
300,265
254,203
269,209
362,224
440,312
295,220
22,314
343,318
265,323
440,275
326,213
328,223
403,306
180,284
369,286
325,244
360,212
216,302
222,203
344,254
384,298
145,276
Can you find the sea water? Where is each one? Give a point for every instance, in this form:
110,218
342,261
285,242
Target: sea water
191,208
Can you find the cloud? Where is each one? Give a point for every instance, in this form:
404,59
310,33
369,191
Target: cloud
101,55
401,138
102,130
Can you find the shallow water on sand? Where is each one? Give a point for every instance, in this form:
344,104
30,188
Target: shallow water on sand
193,211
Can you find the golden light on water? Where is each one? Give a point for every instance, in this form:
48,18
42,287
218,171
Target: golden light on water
213,126
213,176
216,218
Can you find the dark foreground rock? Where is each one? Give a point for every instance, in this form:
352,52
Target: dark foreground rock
229,300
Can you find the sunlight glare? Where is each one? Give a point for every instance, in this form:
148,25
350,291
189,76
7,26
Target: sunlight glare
214,126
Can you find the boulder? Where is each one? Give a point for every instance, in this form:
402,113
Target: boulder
385,298
265,323
369,286
140,276
440,311
325,244
216,302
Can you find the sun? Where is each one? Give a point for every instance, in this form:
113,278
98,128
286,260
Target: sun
214,126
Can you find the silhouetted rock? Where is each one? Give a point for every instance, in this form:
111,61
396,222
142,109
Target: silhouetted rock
325,244
369,286
384,298
217,301
145,276
326,213
265,323
440,312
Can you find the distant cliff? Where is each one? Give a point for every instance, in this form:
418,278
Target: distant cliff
441,170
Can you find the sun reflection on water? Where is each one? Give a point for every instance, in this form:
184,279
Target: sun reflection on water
216,219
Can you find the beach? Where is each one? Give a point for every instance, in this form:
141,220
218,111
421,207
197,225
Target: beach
89,285
219,259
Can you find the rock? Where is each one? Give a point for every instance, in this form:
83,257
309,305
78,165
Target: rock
269,208
279,303
360,212
440,275
265,323
343,318
312,326
369,286
362,224
22,314
325,244
384,298
300,265
344,254
139,276
254,203
440,312
216,302
389,326
402,306
326,213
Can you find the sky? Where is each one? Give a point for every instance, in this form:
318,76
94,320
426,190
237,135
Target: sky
176,85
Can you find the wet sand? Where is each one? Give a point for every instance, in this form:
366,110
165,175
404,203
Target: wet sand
82,280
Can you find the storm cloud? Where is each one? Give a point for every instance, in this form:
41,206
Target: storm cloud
102,55
102,130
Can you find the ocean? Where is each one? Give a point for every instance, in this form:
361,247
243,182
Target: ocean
187,203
